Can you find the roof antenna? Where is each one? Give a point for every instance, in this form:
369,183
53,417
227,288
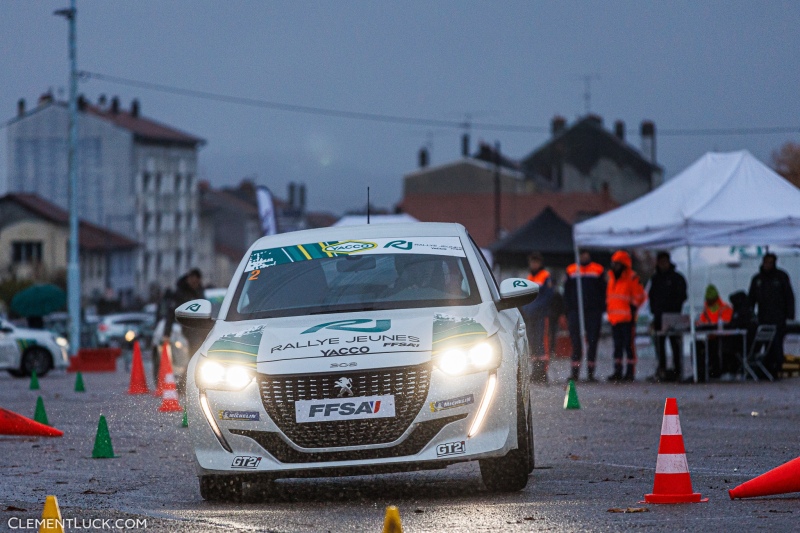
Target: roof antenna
367,205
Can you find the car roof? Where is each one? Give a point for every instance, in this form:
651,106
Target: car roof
364,231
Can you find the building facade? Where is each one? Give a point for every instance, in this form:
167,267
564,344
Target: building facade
136,177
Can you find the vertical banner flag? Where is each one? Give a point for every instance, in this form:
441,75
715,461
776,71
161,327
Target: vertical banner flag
266,211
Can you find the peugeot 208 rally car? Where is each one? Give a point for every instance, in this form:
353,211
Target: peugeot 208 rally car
361,349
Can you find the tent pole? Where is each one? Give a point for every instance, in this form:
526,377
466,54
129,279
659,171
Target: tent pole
692,330
581,318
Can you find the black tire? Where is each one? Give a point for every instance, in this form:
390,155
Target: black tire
510,473
36,358
221,488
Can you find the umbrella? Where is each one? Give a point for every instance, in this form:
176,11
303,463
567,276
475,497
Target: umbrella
39,300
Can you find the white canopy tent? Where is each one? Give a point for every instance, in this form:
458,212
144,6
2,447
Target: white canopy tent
721,199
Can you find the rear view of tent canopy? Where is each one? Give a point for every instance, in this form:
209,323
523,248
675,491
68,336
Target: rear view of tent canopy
721,199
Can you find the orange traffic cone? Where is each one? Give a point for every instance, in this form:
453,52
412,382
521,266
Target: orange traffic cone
170,402
673,484
162,369
138,381
13,424
779,480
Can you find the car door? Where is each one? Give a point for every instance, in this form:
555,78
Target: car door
9,350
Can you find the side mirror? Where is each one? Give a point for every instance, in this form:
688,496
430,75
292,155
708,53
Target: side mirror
516,292
195,314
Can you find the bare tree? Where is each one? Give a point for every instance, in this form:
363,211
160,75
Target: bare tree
786,162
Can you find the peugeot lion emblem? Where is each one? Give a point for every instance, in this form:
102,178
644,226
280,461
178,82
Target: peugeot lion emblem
345,387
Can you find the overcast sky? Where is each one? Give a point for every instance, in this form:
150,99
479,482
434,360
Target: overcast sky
684,65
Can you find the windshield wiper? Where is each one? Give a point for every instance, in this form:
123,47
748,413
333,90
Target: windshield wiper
332,311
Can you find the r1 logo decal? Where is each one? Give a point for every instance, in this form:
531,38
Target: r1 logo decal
451,448
245,461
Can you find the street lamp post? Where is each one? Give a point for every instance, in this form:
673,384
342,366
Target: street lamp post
73,266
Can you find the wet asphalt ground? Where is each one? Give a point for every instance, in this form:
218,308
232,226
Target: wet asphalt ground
590,460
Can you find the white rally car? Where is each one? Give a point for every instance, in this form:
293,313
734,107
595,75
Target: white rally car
23,350
361,349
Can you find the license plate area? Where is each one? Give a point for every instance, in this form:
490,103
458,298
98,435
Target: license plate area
336,409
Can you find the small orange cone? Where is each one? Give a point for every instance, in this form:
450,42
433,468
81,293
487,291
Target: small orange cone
169,402
779,480
673,484
162,369
391,521
138,383
13,424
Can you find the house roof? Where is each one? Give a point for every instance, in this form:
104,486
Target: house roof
583,144
143,128
546,233
90,236
476,211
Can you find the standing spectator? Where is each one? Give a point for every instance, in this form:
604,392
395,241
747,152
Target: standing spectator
771,294
624,295
536,315
667,294
189,287
593,289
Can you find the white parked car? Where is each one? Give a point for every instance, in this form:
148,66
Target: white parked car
119,328
361,349
23,350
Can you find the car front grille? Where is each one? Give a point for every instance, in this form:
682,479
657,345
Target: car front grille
409,385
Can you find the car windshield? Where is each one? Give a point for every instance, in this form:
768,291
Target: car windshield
316,279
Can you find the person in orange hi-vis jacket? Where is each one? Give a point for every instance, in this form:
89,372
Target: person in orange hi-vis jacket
536,316
624,295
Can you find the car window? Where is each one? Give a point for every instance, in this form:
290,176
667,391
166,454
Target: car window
330,277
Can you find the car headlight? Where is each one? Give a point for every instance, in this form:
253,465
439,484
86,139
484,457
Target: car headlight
479,357
214,375
63,342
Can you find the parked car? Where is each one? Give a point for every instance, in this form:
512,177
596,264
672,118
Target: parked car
361,349
121,328
24,350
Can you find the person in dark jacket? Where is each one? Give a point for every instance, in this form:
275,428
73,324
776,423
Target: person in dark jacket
593,291
536,316
772,296
667,295
189,287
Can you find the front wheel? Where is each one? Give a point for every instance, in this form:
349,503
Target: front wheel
36,359
220,488
510,473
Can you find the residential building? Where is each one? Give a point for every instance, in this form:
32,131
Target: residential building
33,245
136,177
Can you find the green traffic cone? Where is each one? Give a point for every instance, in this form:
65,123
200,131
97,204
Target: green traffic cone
185,422
79,383
102,441
571,399
34,381
40,415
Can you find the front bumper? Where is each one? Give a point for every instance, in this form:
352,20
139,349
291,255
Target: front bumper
435,436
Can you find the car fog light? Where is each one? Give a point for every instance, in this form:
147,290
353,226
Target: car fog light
491,384
453,362
130,335
481,355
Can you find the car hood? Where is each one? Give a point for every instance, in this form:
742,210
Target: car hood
349,341
30,333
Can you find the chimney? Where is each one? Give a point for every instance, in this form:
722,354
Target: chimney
20,107
465,145
423,157
648,133
292,195
619,130
135,108
115,105
101,102
82,103
45,98
558,125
